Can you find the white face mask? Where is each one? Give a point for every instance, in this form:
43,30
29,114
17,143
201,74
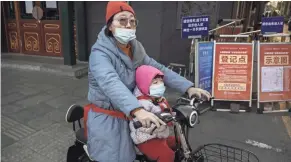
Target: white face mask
123,35
157,90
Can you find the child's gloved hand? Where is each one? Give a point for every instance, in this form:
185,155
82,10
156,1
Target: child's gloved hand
146,118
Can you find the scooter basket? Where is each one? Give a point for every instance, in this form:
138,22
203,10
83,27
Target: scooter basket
222,153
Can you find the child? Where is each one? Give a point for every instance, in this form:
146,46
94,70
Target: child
149,90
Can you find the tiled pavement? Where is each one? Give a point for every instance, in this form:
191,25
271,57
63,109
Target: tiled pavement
33,106
33,127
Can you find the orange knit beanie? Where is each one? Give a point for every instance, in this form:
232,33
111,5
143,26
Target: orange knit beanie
114,7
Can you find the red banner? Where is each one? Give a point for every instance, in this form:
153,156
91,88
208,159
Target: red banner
233,72
275,72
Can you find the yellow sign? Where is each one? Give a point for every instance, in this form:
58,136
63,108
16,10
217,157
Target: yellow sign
276,60
233,59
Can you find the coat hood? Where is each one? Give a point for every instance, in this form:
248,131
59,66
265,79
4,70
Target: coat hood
144,76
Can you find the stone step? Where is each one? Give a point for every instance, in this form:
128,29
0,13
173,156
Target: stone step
44,64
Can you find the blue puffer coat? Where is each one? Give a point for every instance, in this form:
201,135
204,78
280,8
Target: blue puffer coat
111,77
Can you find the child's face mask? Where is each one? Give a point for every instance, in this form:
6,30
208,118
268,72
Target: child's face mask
157,90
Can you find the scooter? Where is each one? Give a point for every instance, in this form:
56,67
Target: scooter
186,115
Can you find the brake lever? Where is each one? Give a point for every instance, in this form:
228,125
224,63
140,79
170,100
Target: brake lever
166,117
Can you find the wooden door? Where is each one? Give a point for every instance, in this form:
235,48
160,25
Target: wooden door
30,29
12,35
40,37
51,29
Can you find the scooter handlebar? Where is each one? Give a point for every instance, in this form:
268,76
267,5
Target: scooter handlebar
192,101
164,116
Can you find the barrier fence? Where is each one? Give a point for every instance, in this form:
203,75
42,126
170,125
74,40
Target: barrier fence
239,67
232,67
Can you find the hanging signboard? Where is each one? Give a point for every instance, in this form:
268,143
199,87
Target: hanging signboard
203,65
272,25
195,26
232,72
274,67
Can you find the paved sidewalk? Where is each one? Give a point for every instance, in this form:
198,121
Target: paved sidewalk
33,115
34,104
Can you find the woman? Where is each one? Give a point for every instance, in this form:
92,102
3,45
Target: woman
112,63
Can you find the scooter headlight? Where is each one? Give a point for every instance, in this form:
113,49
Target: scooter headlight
193,119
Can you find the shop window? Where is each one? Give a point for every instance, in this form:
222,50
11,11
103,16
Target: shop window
26,8
50,10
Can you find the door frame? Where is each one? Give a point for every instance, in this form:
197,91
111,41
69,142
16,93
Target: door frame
11,28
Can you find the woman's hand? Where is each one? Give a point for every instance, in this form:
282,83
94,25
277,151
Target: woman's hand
199,93
146,118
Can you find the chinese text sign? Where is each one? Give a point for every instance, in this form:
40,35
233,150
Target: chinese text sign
275,72
205,63
272,25
233,72
195,26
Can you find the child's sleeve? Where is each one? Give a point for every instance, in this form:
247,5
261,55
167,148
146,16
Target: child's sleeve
148,105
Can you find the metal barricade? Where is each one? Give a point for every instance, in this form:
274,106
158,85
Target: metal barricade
181,67
233,28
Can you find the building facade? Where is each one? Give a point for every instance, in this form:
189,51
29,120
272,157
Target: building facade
69,29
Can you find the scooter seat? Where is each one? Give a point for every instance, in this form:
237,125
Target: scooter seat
80,136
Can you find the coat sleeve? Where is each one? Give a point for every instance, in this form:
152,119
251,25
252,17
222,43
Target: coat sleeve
109,82
171,78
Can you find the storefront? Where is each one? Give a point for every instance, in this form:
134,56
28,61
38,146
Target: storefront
55,34
29,36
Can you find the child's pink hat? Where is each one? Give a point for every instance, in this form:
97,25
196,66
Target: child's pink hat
144,76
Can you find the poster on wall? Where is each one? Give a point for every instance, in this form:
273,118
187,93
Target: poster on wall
232,76
204,64
275,72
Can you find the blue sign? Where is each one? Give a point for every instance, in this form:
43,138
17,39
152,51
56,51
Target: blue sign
272,25
205,64
194,26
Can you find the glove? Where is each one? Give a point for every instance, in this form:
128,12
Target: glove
198,92
146,118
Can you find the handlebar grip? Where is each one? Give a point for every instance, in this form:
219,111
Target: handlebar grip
137,124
